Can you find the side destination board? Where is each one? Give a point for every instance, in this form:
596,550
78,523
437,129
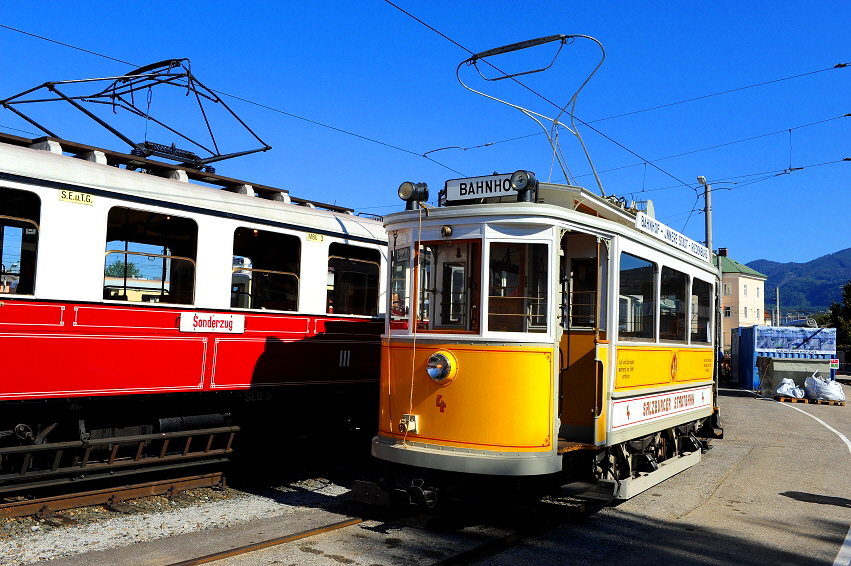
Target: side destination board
658,230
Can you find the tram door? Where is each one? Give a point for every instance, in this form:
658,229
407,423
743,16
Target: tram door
584,273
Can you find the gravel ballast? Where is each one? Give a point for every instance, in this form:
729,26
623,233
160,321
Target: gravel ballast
27,540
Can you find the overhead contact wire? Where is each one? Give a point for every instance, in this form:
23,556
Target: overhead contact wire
291,115
541,96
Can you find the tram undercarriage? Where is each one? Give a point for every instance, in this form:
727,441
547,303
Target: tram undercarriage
615,472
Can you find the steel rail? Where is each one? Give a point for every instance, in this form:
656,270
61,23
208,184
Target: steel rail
45,506
267,543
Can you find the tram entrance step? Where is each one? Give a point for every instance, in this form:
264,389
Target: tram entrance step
598,491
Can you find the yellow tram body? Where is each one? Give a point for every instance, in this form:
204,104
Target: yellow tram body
504,404
523,332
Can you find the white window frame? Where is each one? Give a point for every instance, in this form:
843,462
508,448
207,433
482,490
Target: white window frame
746,313
745,292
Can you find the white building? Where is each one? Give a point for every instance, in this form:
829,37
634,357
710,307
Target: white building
742,295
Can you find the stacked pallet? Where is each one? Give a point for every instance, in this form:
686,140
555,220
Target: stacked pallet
783,399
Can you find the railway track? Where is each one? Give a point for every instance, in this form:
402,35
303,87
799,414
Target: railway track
535,528
47,506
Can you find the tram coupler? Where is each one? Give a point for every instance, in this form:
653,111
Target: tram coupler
372,493
416,495
420,496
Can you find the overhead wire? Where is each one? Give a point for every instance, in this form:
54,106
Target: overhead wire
762,176
365,138
837,66
317,123
539,95
588,124
724,145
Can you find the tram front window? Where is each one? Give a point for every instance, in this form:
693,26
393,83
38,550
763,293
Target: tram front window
517,287
400,270
447,286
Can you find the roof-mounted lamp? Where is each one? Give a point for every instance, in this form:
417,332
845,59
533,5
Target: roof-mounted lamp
413,194
525,184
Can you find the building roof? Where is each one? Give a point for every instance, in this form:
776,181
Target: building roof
732,266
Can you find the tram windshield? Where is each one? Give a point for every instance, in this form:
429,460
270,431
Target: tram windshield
517,287
448,286
400,271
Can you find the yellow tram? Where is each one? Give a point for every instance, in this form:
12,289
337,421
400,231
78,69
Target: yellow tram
540,331
529,326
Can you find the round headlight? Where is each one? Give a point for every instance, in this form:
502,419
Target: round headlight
442,367
406,189
519,180
413,191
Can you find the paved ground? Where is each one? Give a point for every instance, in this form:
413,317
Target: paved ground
772,492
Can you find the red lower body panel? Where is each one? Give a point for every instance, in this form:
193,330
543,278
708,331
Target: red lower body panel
54,350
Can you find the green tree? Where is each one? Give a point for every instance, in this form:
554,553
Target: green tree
840,318
117,267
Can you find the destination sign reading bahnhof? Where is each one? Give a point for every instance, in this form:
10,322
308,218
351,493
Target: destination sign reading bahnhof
479,187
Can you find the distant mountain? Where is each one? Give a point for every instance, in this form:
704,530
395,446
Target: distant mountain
806,286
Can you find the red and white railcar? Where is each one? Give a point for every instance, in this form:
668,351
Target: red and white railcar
135,300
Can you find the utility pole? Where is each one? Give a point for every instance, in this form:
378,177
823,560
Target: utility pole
707,210
777,304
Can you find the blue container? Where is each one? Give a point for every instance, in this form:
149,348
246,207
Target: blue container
779,342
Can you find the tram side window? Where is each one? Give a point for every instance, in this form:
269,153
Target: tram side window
352,280
517,287
20,212
265,270
150,257
400,272
636,308
701,311
672,305
448,286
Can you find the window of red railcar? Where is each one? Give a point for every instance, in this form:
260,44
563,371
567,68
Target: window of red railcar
19,218
353,274
265,271
150,257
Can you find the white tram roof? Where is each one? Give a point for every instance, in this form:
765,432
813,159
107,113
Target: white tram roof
20,163
556,202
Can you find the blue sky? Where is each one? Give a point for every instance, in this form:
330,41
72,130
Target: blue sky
367,68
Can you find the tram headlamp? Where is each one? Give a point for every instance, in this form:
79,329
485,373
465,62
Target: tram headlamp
442,367
524,183
413,191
